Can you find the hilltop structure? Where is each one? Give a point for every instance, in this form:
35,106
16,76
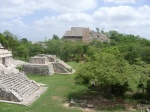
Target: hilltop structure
46,65
14,85
85,35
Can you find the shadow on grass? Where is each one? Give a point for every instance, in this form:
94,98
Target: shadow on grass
84,94
97,100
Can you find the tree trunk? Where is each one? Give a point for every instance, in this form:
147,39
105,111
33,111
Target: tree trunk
109,90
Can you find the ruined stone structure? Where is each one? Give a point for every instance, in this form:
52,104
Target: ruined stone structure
5,55
46,65
14,85
85,35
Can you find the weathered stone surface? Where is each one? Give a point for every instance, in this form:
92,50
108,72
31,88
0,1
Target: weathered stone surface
77,102
5,55
39,69
47,65
90,106
85,35
14,85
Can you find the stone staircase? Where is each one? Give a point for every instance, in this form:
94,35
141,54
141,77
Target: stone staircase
14,85
58,68
62,67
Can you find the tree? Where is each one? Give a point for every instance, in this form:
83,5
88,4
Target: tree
106,70
97,29
24,40
79,52
36,49
21,51
55,37
102,31
3,41
92,51
132,55
13,42
54,46
68,49
96,43
145,54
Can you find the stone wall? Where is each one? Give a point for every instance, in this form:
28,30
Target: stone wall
51,59
86,35
5,60
46,69
8,59
38,60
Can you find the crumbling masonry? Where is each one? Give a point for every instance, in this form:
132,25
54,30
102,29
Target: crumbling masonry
14,85
46,65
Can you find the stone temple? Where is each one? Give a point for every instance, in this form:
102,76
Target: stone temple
46,65
14,85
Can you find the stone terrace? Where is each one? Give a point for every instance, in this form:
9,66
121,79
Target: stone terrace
47,65
14,85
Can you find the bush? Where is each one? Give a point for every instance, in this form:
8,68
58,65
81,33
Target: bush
148,87
119,90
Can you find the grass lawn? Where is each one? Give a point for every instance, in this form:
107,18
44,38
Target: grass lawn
74,64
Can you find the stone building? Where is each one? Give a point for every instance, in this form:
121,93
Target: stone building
46,65
14,85
85,35
5,55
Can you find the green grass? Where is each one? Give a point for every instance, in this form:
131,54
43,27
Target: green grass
74,64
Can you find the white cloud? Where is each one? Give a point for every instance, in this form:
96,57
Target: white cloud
72,6
59,24
125,19
65,18
18,23
116,14
120,1
67,13
18,8
15,23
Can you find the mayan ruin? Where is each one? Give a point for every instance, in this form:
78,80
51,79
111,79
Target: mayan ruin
85,35
14,85
46,65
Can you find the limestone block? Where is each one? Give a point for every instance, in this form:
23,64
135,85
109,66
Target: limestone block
38,69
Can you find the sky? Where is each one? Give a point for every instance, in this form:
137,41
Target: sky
38,20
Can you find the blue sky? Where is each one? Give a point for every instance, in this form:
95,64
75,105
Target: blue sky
37,19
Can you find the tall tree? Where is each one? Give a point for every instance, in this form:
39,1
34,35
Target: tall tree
106,70
55,37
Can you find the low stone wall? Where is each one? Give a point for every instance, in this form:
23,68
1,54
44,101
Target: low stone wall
38,60
39,69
